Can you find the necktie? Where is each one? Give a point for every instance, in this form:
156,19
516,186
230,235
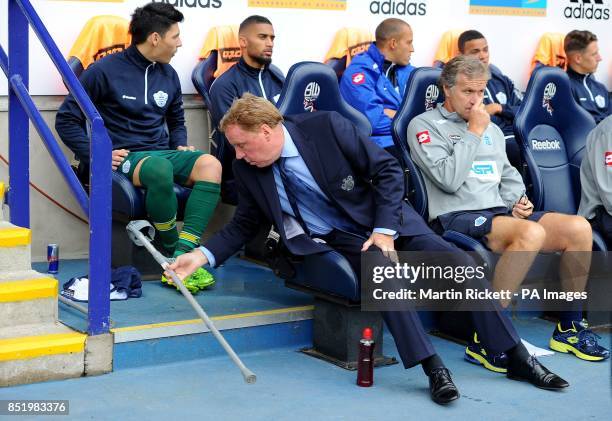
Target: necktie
300,192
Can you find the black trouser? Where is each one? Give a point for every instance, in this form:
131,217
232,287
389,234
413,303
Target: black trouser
494,329
602,222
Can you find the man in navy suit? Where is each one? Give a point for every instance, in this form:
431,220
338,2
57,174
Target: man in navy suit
315,176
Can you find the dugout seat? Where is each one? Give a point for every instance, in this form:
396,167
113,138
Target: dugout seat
448,47
338,321
347,43
101,35
551,130
550,51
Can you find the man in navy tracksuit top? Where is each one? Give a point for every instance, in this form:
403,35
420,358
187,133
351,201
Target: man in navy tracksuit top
501,99
375,81
254,73
583,58
138,95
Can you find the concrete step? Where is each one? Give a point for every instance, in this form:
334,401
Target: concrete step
6,276
40,352
28,301
15,252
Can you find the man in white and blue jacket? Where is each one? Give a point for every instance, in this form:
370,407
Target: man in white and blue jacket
375,81
583,58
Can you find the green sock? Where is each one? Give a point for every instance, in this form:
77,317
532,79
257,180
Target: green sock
198,211
160,200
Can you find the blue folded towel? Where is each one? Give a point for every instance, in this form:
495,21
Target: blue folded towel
125,283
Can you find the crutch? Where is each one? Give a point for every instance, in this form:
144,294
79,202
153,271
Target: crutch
135,232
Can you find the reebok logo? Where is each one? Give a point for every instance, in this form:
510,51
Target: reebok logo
587,9
608,159
133,98
546,145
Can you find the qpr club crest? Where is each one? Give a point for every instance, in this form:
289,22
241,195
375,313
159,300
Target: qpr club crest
160,98
348,183
311,93
431,97
549,94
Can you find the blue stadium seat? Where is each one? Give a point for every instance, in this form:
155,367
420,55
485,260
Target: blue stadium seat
338,65
313,86
203,76
338,321
309,87
551,129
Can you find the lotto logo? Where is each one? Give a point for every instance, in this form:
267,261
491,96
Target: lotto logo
423,137
608,159
358,78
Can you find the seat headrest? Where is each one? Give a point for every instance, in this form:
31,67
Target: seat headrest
223,39
551,128
548,101
448,47
422,94
550,51
312,86
101,35
202,76
348,42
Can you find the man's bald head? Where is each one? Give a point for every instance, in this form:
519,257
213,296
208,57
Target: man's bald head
388,29
394,41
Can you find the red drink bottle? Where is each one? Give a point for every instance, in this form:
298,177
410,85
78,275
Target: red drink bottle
365,363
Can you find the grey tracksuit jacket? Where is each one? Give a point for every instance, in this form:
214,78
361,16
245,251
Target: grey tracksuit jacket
596,171
462,171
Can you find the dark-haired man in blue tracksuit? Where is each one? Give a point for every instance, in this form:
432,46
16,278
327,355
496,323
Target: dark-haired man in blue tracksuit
583,58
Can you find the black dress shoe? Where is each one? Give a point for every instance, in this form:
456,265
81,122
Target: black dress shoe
441,386
532,371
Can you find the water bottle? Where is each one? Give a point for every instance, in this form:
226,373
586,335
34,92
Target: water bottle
365,363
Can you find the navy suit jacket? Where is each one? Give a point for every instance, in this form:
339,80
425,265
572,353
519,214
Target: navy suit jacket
364,182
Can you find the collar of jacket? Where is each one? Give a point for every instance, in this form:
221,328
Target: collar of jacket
379,59
448,115
134,55
575,75
376,56
253,71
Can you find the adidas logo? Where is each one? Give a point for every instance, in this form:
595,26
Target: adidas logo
587,9
546,145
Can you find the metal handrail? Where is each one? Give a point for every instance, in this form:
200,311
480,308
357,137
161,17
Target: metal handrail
98,205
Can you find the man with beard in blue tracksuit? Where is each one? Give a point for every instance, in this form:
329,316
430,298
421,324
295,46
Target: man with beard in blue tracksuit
254,73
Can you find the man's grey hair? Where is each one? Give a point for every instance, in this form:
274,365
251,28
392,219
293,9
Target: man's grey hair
469,66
